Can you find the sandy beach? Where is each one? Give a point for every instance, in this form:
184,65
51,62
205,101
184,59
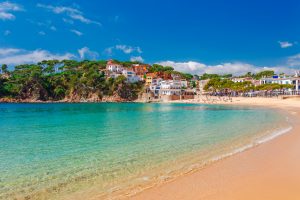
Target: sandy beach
268,171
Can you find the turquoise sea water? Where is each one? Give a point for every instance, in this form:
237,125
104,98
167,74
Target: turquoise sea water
63,151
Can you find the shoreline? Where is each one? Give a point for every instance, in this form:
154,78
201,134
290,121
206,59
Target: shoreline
246,101
177,174
205,183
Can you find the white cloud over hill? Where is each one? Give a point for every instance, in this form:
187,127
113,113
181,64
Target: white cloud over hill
236,68
86,53
11,56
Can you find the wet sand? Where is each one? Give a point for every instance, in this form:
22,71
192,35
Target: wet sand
268,171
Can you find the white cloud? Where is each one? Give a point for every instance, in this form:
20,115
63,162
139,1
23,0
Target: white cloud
285,44
6,9
53,28
128,49
6,16
68,21
43,24
8,51
41,33
137,58
8,6
124,48
7,32
73,13
294,60
76,32
235,68
20,56
86,53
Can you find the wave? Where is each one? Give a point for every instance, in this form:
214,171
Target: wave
198,166
256,142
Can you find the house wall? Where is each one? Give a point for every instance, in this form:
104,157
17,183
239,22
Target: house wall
187,97
114,67
175,97
149,80
169,97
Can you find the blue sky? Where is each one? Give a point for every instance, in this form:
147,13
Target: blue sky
215,36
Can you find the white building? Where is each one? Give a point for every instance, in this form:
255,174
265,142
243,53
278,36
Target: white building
155,86
276,80
238,80
241,80
167,87
283,81
184,83
113,75
131,76
114,67
170,87
156,81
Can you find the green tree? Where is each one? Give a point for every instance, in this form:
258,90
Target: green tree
223,85
206,76
267,73
4,69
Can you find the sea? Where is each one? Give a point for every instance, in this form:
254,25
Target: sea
115,150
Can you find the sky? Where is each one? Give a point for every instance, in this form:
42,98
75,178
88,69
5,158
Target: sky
194,36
